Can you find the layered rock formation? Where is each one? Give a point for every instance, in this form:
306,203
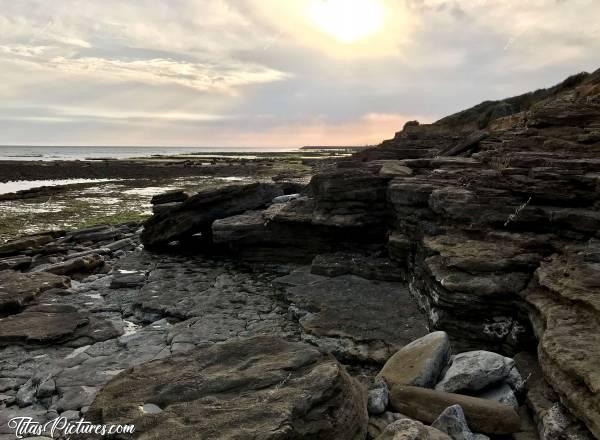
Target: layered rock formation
492,218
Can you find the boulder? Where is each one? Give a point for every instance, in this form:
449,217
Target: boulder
262,387
475,370
378,423
378,398
482,415
418,363
18,289
452,421
170,197
196,214
407,429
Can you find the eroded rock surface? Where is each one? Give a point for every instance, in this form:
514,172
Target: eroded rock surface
261,388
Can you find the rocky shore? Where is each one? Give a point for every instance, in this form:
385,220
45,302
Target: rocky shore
442,285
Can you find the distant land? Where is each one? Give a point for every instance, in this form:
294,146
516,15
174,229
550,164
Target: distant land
337,147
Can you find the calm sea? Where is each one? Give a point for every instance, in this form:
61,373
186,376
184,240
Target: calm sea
80,153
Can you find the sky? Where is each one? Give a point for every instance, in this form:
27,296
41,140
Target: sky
272,73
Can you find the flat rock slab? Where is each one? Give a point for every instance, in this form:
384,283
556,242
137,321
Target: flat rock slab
41,324
262,388
17,289
356,318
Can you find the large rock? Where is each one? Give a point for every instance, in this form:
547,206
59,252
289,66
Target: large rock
386,319
196,214
418,363
475,370
482,415
452,421
264,388
407,429
16,246
17,289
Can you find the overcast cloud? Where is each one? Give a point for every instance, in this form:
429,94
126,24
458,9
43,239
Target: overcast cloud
260,73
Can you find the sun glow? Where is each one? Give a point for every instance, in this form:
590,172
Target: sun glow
347,20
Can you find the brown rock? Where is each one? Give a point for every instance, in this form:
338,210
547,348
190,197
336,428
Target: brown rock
418,363
263,388
482,415
17,289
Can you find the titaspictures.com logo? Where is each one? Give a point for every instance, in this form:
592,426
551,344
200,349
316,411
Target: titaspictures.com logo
61,427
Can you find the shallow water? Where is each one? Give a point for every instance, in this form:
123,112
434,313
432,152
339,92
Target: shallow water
20,185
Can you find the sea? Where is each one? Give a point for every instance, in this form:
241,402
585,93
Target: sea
98,152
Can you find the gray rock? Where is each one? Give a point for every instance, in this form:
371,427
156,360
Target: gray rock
26,394
452,421
475,370
378,398
46,388
502,393
285,198
378,423
71,415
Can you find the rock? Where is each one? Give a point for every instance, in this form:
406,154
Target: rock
344,263
377,423
378,398
26,394
18,289
16,246
85,264
74,398
407,429
393,168
452,421
285,198
46,388
15,263
418,363
70,415
503,394
474,370
170,197
336,324
482,415
196,214
40,324
286,390
127,279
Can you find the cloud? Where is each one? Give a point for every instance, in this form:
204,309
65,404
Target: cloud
259,72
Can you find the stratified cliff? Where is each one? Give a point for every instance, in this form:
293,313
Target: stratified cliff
492,215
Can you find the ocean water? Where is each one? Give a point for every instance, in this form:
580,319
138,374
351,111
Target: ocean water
82,153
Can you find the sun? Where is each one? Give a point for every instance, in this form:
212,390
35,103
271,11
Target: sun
347,20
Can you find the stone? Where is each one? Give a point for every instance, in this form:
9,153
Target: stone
170,197
501,393
286,390
84,264
482,415
17,289
378,398
15,263
419,363
126,279
26,394
377,423
21,244
41,324
474,370
452,421
46,388
407,429
285,198
344,263
197,213
364,333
